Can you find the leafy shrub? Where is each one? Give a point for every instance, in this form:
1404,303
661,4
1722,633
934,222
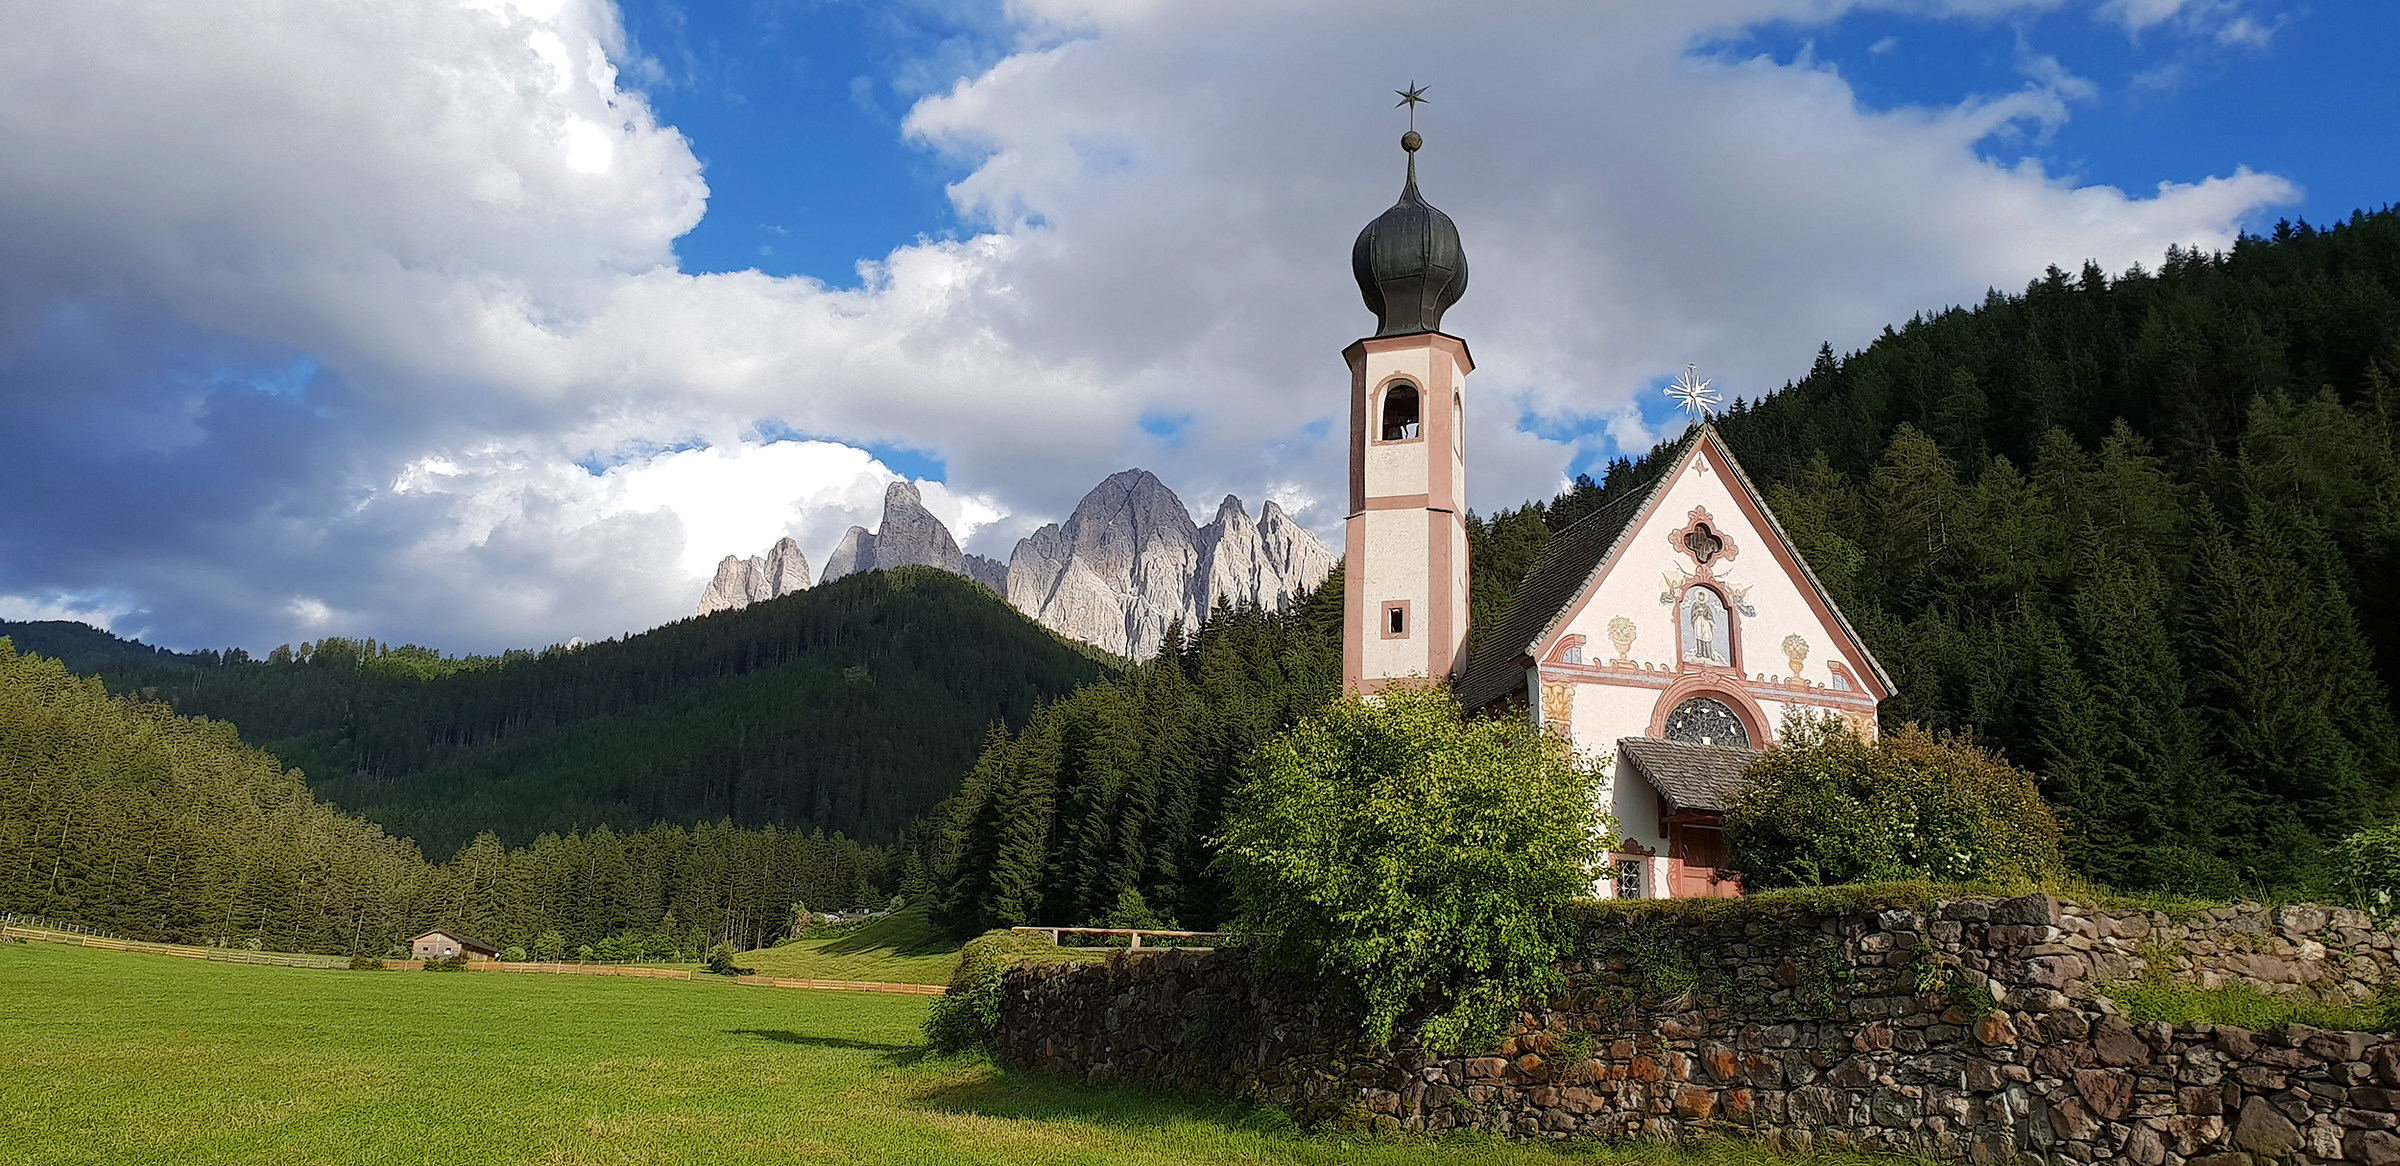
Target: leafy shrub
513,954
586,953
1825,808
456,963
550,946
2367,865
1133,912
1414,859
720,962
967,1016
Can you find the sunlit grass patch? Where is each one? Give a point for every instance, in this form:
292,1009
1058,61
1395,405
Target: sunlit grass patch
2242,1006
122,1058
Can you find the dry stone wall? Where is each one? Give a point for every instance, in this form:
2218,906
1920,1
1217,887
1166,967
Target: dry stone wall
1962,1030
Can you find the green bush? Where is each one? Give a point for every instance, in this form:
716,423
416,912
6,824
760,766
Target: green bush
967,1016
550,946
1824,808
1415,860
2367,866
513,954
456,963
720,962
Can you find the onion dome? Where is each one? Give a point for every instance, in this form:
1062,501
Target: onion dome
1408,262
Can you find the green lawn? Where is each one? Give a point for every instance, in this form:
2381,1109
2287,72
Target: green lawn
119,1058
898,949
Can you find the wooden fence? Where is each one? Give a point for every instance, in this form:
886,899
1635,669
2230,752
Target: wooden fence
585,970
237,955
227,955
842,985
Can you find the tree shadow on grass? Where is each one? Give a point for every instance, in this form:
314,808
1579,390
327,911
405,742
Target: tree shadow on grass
788,1037
1029,1097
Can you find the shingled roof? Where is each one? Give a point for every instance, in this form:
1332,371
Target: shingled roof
1690,777
1497,667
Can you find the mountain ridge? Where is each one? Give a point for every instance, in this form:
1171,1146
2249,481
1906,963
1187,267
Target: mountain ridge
1126,565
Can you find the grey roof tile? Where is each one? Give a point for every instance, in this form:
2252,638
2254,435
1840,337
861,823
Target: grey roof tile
1690,777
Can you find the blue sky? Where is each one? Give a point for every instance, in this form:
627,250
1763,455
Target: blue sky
2313,97
795,108
497,323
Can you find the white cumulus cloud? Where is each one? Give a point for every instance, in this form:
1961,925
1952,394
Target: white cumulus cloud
465,218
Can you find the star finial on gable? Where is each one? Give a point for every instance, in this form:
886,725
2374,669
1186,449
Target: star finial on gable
1693,394
1412,97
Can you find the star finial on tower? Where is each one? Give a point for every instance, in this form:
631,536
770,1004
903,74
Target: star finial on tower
1412,97
1693,394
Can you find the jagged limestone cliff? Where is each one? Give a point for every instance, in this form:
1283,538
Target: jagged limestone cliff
1123,568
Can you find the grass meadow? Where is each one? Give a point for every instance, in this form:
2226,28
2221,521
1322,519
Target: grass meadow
129,1058
902,948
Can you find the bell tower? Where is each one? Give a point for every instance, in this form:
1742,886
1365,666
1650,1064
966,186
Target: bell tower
1405,582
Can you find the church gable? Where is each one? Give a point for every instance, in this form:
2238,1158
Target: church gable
1702,609
1679,615
1690,585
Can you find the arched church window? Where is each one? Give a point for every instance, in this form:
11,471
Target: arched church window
1707,628
1706,721
1402,416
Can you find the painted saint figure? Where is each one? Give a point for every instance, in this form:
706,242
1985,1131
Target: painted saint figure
1703,625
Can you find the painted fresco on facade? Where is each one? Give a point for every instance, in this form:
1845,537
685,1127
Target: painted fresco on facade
1707,629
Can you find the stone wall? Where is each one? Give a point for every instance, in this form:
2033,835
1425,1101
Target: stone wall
1967,1029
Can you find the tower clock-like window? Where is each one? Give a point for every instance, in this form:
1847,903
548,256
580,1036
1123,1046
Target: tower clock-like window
1706,721
1403,413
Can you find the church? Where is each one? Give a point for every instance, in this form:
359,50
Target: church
1668,633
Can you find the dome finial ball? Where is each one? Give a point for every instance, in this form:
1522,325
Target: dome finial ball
1410,141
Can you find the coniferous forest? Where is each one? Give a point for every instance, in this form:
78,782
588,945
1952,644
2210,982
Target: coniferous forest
850,708
2135,532
2131,531
120,815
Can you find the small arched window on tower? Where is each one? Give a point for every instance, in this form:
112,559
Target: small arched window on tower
1402,414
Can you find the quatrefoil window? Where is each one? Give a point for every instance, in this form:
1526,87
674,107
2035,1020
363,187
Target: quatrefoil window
1703,543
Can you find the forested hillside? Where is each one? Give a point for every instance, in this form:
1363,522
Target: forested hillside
2131,531
1122,785
120,815
851,708
2135,532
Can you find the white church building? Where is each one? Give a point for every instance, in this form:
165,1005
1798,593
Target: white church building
1671,630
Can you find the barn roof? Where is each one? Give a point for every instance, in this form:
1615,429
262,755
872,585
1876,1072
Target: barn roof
1575,559
463,941
1690,777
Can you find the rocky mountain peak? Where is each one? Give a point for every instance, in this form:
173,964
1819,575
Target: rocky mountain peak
1125,565
742,582
909,535
1129,562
